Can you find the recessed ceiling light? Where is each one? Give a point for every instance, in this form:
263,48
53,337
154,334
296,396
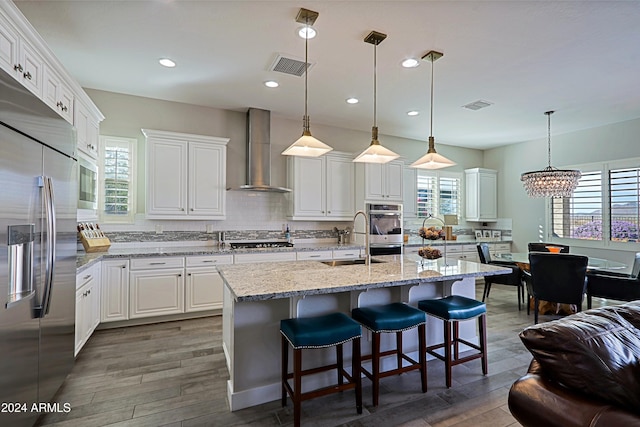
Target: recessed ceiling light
271,83
352,100
307,32
166,62
410,63
413,113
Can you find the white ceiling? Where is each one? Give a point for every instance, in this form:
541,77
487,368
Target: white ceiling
580,58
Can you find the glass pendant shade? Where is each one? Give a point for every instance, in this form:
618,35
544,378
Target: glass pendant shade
550,181
432,160
306,145
375,153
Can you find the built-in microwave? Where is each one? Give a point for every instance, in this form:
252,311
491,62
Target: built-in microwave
87,184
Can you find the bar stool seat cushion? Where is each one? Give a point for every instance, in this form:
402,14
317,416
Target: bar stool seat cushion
320,331
454,307
392,317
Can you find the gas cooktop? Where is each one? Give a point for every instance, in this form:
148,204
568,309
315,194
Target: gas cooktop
252,245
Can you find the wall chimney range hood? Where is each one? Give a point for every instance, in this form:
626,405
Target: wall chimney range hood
259,152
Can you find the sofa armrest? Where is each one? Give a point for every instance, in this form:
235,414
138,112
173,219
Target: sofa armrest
535,401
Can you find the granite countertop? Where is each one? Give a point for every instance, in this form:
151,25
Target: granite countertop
84,259
255,282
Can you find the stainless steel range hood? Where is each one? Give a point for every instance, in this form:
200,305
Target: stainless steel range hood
259,152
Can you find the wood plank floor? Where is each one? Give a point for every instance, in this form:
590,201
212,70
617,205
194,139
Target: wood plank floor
174,374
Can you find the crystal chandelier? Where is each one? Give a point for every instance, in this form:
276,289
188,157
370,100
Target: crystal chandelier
550,181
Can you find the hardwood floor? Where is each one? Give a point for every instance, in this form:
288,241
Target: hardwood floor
174,374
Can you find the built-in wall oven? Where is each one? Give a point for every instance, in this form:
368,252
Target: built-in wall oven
385,228
87,183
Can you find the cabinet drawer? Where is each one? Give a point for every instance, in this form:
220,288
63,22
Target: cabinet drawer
208,260
501,247
87,275
452,249
314,255
346,254
470,248
156,262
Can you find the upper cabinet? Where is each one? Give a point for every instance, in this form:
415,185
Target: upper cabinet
186,176
87,130
322,187
26,57
410,191
481,194
379,182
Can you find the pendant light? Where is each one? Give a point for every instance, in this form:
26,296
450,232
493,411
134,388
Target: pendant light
550,181
432,160
376,153
307,145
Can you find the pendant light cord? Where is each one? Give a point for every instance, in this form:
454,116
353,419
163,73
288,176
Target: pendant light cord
375,90
306,72
431,115
549,113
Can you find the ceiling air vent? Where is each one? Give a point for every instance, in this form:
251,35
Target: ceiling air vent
477,105
283,64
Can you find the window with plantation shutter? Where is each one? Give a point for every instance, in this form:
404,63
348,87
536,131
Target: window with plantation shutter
438,194
117,179
580,216
624,197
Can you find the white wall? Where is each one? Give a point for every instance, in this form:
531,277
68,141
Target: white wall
126,115
611,142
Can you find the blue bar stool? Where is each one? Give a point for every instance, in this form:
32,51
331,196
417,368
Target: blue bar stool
329,330
451,310
395,317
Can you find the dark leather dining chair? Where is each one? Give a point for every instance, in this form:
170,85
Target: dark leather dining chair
513,279
558,278
615,286
542,247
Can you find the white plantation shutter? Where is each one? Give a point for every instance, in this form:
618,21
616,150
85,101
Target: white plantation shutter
580,216
438,194
117,179
624,198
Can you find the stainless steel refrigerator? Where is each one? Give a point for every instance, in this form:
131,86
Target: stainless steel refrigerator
38,201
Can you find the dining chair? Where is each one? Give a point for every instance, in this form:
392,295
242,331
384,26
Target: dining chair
512,279
615,286
557,278
544,247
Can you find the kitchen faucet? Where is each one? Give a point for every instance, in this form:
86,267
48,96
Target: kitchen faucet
366,234
342,235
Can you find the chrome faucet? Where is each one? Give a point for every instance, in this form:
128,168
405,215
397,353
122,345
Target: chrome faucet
342,235
366,234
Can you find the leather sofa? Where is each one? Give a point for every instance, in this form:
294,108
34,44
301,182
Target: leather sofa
585,370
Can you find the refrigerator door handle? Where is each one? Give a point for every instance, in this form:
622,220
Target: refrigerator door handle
49,201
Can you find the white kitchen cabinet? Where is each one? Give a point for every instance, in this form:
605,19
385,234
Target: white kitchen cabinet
57,94
379,182
203,286
115,290
157,291
87,129
87,305
346,253
314,255
323,187
186,176
264,257
19,58
410,193
481,194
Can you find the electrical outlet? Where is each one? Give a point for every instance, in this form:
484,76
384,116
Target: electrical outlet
209,228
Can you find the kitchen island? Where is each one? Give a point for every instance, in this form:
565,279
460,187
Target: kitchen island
257,296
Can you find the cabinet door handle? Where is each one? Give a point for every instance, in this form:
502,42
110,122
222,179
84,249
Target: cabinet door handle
314,256
88,276
124,266
210,260
187,275
27,75
157,263
191,209
328,211
18,67
64,108
179,274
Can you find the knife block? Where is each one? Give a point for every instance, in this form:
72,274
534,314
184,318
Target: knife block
94,244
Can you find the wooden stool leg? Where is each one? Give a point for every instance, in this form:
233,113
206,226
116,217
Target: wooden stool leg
422,349
356,373
482,326
285,368
297,391
447,352
375,366
339,363
399,349
456,336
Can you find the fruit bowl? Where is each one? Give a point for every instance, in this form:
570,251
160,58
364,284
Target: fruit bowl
429,253
431,233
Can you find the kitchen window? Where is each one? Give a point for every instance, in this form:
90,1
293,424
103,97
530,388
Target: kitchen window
117,179
604,207
438,193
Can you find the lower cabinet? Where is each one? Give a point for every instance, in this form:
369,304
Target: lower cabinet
115,290
156,292
87,305
203,286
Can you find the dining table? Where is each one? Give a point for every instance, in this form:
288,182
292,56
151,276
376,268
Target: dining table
521,259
